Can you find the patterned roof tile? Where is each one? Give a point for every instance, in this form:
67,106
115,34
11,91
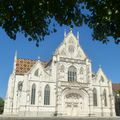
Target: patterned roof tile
24,65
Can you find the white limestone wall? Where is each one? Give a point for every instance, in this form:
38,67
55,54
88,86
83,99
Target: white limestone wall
54,75
39,106
101,109
9,100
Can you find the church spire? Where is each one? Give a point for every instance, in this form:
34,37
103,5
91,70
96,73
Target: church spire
65,33
71,29
15,55
78,36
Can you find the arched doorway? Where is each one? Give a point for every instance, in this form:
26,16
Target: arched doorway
75,103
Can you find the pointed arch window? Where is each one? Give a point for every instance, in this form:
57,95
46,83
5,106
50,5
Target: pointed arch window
105,97
94,97
102,79
20,85
47,95
72,74
36,72
33,92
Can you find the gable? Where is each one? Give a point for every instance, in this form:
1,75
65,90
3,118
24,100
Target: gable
37,69
101,76
70,48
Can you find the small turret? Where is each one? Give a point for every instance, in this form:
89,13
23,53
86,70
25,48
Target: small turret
71,30
15,59
65,33
78,36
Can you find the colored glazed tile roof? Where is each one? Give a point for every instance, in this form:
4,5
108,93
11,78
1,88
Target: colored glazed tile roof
24,65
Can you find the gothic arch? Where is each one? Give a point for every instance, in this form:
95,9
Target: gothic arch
94,97
20,85
74,102
36,73
47,95
33,94
72,74
105,97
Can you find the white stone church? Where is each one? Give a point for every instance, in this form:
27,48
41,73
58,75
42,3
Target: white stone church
64,86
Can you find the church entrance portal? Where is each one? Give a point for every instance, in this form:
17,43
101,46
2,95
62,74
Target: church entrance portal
75,104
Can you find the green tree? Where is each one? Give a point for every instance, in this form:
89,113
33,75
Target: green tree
1,105
34,18
117,102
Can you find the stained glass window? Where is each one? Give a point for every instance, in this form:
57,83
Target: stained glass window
33,92
105,97
72,74
47,95
94,97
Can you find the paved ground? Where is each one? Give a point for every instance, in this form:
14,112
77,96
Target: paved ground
57,118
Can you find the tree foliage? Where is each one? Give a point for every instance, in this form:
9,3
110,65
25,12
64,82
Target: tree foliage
117,91
1,105
105,20
33,18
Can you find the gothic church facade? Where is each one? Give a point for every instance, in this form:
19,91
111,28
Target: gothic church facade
64,86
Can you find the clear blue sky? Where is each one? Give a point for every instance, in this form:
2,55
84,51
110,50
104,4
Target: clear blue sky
107,56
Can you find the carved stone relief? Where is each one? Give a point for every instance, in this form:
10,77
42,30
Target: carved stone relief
81,70
63,52
73,101
72,60
71,49
71,41
88,75
73,96
62,68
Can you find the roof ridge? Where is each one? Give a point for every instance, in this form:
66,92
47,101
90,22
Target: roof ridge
27,59
32,59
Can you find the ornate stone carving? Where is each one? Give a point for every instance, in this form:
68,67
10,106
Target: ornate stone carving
73,96
71,41
81,70
71,49
20,85
68,104
62,68
72,60
63,52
